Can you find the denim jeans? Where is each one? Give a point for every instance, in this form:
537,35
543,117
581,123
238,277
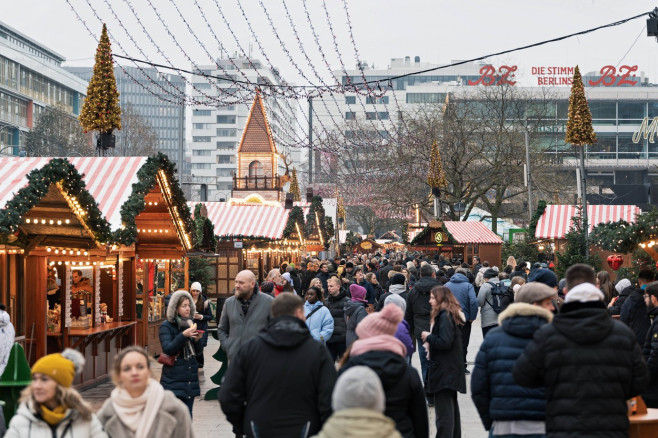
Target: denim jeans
422,354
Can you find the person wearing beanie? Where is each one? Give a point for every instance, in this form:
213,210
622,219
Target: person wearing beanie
464,291
584,358
358,404
202,316
178,338
545,276
139,407
489,317
355,311
623,288
403,334
50,406
397,286
505,407
379,350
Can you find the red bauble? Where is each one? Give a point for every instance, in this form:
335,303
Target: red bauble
615,261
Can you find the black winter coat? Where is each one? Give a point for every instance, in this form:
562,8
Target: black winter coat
650,353
202,324
382,276
354,314
382,299
445,369
336,306
405,397
418,306
634,314
590,365
262,390
615,309
182,379
496,396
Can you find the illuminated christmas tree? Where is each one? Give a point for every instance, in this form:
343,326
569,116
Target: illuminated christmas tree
294,187
579,124
101,111
435,177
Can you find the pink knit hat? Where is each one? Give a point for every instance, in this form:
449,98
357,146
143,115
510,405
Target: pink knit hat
358,293
384,322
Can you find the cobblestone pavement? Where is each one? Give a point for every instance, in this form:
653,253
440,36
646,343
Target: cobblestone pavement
210,421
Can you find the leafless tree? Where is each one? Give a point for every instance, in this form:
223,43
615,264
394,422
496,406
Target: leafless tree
136,137
57,133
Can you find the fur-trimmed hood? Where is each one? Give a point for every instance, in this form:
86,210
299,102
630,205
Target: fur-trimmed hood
524,309
173,305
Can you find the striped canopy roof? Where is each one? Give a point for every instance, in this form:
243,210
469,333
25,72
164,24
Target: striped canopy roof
108,179
471,232
556,220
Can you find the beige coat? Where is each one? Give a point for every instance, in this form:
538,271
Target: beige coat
173,420
358,423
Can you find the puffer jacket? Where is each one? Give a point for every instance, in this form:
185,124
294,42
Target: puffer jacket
418,306
590,365
493,390
650,353
354,314
28,424
358,423
336,306
320,323
634,314
463,290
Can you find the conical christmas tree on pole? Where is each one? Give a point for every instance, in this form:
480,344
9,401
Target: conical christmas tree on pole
294,187
580,133
436,179
101,111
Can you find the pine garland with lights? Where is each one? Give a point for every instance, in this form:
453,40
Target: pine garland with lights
405,232
204,231
311,226
579,123
436,178
101,111
541,208
294,187
296,216
425,232
625,238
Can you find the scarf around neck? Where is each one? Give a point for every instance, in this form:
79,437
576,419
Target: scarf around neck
138,414
55,416
379,343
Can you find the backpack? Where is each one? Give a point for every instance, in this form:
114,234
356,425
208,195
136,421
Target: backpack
502,295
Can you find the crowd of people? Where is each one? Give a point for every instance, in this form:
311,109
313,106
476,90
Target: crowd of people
325,350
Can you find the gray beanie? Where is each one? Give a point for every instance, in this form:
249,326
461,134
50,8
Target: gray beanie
358,387
397,300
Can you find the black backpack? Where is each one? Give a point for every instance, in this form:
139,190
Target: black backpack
502,295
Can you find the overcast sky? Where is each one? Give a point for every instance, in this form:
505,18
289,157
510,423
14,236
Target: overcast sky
438,31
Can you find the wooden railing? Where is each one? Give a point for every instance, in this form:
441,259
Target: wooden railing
256,182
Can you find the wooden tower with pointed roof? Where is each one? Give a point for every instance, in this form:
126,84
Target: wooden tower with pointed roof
257,158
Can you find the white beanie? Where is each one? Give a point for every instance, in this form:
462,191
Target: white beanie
584,293
622,284
397,300
196,286
358,387
288,278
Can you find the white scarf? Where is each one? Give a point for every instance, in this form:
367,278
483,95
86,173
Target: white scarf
138,414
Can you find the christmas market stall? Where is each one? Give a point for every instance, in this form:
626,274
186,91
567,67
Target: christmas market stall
367,246
458,241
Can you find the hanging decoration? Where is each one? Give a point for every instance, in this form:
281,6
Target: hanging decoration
97,294
615,261
294,187
436,178
67,296
120,289
579,123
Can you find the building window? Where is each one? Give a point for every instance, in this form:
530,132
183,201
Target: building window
224,159
226,144
201,125
255,169
205,166
223,132
350,100
377,100
350,115
201,139
201,153
226,120
198,112
426,97
224,172
383,115
202,85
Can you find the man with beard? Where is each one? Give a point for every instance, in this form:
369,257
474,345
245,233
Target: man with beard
244,314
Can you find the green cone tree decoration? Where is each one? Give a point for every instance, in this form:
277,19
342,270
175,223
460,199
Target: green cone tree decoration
294,187
579,124
101,111
436,179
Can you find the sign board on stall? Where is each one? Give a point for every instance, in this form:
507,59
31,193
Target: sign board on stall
237,244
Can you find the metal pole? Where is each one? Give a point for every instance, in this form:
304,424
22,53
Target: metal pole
181,140
583,196
528,173
310,140
436,208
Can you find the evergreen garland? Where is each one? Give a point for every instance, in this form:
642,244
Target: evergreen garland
420,236
623,237
579,123
296,216
575,249
39,182
204,231
405,232
541,208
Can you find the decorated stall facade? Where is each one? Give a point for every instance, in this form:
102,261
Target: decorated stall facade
459,241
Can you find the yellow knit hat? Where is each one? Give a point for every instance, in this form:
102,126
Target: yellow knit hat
61,367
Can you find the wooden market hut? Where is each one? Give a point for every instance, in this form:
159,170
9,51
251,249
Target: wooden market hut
71,233
366,246
459,241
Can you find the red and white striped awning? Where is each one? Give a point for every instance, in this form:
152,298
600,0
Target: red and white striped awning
556,220
471,232
255,220
108,179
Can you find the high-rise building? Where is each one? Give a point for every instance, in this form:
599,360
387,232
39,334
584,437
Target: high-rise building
143,89
217,129
31,78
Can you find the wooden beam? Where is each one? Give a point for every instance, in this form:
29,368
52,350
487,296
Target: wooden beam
34,242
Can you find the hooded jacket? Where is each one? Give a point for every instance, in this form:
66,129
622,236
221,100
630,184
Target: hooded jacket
182,379
28,424
358,423
590,365
488,315
354,314
650,354
615,309
394,289
7,335
418,306
634,314
262,391
234,328
405,397
464,291
493,390
320,324
336,306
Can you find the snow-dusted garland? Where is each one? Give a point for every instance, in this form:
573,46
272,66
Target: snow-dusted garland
67,298
120,284
97,297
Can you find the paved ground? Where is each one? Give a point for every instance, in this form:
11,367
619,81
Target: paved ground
210,421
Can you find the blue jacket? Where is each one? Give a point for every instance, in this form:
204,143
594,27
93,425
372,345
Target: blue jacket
463,290
493,390
321,323
182,379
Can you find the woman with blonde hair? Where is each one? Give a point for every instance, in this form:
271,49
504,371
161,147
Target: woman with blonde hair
50,407
139,407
